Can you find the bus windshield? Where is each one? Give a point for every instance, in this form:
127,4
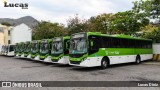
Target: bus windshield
27,47
35,47
57,47
16,48
11,48
44,47
21,47
78,46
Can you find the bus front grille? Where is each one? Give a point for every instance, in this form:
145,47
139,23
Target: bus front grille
54,60
75,62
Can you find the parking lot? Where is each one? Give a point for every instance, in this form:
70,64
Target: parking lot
12,69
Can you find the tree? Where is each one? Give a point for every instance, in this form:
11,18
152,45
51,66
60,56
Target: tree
147,8
119,23
127,23
153,34
75,25
100,23
6,23
47,30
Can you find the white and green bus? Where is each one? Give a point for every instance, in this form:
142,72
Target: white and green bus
60,50
45,50
3,50
35,50
16,49
21,50
89,49
10,50
27,49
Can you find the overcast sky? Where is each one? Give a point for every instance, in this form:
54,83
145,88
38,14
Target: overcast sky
61,10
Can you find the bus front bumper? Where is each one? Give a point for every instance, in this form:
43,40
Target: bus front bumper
48,59
17,56
29,56
22,56
63,60
88,62
10,53
37,58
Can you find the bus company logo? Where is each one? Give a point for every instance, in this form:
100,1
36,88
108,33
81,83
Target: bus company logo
22,5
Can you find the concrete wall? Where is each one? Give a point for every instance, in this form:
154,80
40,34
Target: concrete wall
0,48
4,34
156,48
156,51
2,38
20,33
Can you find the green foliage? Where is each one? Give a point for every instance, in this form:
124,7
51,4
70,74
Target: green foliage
154,35
100,23
120,23
6,23
47,30
147,8
76,25
127,23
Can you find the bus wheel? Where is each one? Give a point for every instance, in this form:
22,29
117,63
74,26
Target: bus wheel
104,63
138,60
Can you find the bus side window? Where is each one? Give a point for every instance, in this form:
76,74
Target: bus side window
105,42
11,48
150,44
115,43
112,43
96,44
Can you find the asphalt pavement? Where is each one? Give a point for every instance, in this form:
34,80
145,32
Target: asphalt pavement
13,69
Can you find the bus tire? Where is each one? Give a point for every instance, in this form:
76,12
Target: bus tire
104,63
138,59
